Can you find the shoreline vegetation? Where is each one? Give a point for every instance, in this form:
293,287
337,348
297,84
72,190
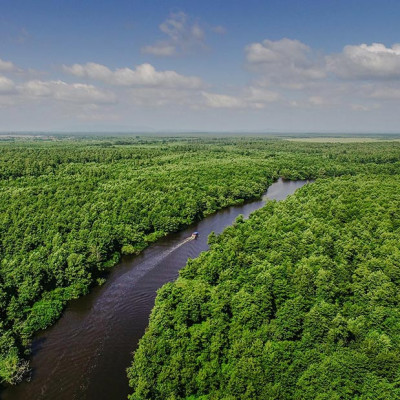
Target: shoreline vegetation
70,208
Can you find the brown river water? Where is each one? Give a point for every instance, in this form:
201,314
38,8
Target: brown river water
84,356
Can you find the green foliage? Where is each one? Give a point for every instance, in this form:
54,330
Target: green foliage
301,301
70,208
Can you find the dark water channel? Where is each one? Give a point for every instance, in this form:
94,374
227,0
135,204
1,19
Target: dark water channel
85,354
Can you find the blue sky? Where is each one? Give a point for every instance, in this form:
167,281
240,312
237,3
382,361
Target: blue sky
200,65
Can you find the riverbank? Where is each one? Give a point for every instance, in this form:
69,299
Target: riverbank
85,354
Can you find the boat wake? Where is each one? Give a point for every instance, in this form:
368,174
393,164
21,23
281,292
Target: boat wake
106,309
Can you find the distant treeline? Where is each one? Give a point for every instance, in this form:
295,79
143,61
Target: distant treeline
69,209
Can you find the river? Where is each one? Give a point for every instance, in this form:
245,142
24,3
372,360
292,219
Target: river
84,356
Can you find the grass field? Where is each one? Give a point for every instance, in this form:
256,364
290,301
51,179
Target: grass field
340,139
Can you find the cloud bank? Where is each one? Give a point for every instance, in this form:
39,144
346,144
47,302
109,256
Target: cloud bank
284,75
59,90
142,75
284,61
375,61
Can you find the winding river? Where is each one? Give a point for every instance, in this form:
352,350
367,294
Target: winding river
84,356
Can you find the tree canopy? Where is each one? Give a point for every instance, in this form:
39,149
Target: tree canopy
70,208
300,301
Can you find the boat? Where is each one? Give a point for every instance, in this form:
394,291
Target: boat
195,235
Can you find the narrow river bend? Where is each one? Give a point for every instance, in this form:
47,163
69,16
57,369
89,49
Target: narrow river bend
84,356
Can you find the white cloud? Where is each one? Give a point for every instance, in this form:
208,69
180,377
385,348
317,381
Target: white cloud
274,52
6,66
364,61
261,95
59,90
157,97
7,92
287,65
284,62
6,85
251,97
142,75
292,64
214,100
288,78
90,70
182,35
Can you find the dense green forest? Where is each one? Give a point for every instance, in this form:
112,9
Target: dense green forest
70,208
301,301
